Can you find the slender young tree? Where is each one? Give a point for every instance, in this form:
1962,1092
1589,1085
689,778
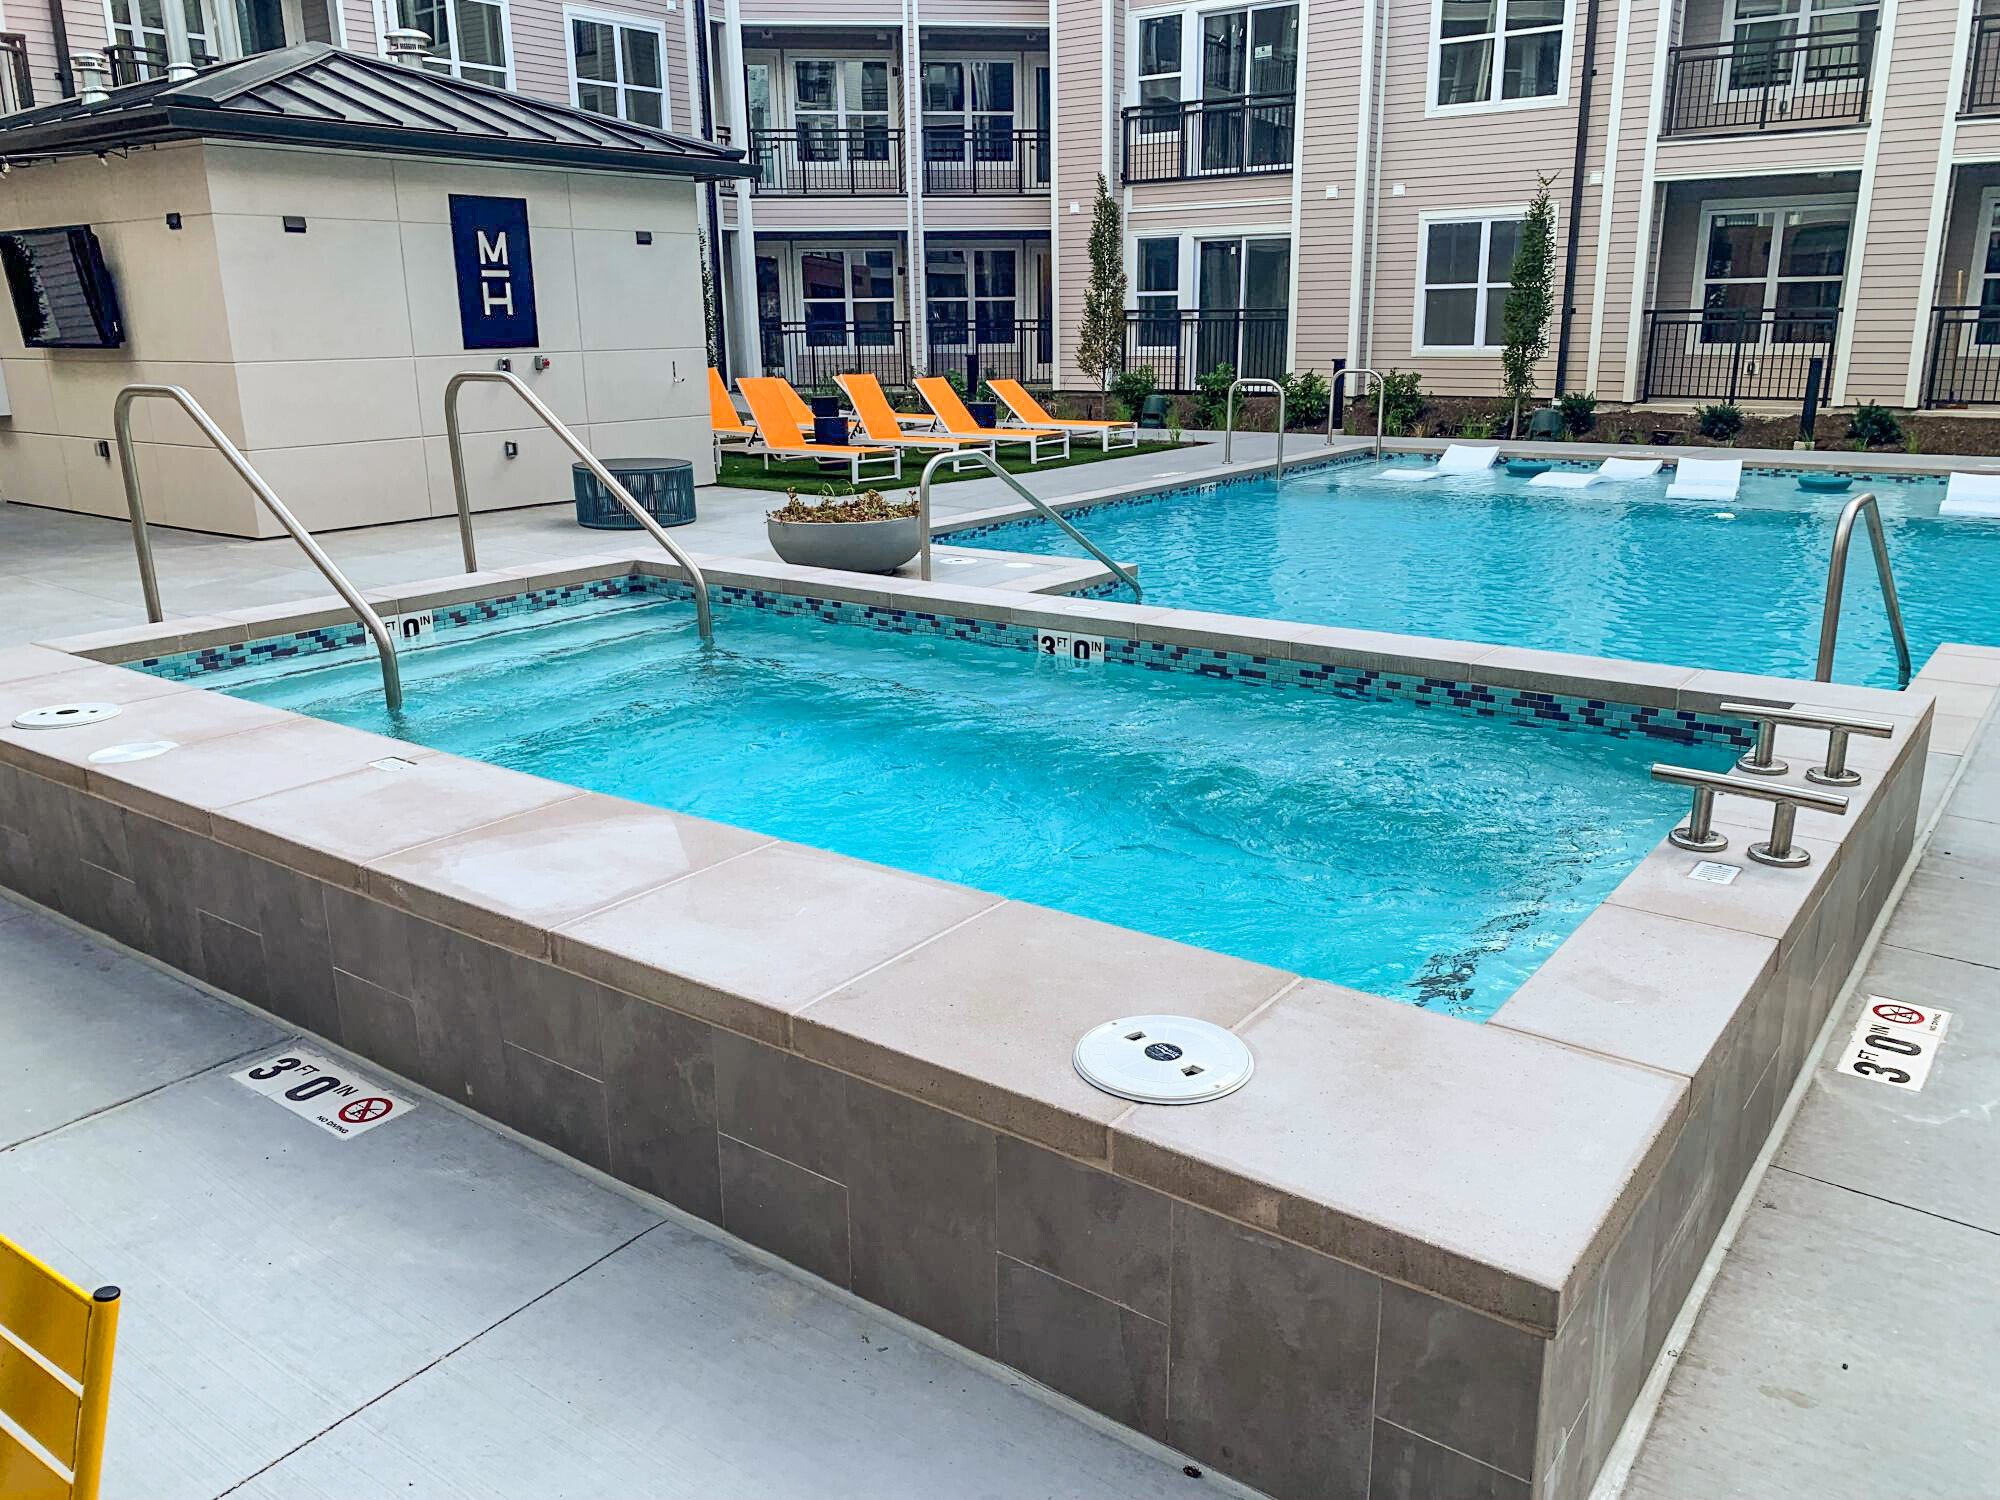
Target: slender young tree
1531,300
1100,342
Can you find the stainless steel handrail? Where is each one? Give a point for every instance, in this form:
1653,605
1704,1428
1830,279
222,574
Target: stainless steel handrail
1836,581
987,460
128,461
1229,418
589,460
1381,404
1699,834
1760,760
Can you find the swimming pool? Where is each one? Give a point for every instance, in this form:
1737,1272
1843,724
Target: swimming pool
1414,851
1615,570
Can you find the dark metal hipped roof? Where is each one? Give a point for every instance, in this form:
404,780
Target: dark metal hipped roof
314,94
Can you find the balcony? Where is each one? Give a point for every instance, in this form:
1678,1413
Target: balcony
1726,354
139,64
811,352
17,87
990,348
1982,70
1819,81
1962,367
984,162
1181,346
816,161
1242,136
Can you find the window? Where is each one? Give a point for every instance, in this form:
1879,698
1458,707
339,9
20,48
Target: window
1243,287
1160,70
848,296
178,31
1526,34
468,37
1248,55
968,111
1789,262
970,291
1159,292
617,68
1762,33
838,101
1466,264
1986,268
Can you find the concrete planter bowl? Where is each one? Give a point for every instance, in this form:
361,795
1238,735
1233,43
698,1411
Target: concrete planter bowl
851,546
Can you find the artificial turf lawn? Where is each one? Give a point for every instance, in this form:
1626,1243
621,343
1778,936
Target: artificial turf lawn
809,479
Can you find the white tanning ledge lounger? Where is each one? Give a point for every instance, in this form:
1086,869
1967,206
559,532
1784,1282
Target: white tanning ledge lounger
1459,458
1611,468
1972,495
1706,479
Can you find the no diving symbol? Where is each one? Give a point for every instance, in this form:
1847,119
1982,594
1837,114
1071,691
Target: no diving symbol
362,1111
1900,1015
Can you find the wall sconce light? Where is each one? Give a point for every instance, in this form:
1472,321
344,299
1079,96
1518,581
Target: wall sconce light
511,448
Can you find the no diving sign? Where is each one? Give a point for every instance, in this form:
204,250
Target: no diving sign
1894,1042
329,1094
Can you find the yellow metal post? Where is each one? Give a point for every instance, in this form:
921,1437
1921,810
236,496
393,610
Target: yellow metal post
98,1350
57,1343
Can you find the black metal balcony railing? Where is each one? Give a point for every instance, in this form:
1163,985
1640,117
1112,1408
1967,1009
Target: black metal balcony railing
17,87
1234,137
990,348
812,351
1181,346
1811,82
138,64
1723,354
821,161
1982,70
979,161
1962,367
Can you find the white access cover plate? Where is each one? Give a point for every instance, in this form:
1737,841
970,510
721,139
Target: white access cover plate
1163,1059
64,715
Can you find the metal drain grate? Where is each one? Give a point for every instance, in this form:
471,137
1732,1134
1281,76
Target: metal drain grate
1163,1060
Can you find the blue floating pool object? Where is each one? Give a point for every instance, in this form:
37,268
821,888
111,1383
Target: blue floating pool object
1825,484
1527,468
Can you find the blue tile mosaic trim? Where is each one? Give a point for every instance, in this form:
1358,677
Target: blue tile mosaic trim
1480,700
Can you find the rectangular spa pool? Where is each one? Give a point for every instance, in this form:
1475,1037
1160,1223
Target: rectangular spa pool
1615,570
1417,851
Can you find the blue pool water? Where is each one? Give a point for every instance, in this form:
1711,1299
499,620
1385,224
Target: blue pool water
1614,570
1415,852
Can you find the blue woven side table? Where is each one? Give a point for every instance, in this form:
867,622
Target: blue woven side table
664,488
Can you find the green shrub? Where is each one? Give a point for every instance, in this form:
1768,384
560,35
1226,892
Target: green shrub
1306,397
1130,388
1579,412
1875,426
1402,396
1719,423
1477,427
1211,398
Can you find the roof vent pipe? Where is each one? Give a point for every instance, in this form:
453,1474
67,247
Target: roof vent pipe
93,77
181,72
407,46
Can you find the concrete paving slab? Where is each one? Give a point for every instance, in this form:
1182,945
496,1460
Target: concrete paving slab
682,1369
1931,1149
276,1277
84,1027
1781,1392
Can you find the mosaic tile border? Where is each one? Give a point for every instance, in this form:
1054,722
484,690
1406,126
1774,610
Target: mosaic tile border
1481,700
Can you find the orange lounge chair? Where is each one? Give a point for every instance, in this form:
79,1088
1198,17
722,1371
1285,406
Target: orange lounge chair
882,423
778,435
1030,413
724,425
955,419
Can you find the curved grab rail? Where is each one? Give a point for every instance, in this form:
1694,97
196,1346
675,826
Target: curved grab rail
589,460
1836,583
128,461
986,459
1229,419
1339,378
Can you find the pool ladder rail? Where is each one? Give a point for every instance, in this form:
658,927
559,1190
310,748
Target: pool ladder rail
983,459
1339,378
1862,506
149,582
1255,383
1698,834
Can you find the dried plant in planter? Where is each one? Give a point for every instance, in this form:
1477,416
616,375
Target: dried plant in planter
867,506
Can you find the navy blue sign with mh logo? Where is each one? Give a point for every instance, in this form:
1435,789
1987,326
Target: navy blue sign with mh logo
496,272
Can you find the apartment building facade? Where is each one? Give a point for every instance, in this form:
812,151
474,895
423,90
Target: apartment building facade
1743,187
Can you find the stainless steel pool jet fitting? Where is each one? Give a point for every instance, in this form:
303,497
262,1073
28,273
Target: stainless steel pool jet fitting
1699,835
1759,761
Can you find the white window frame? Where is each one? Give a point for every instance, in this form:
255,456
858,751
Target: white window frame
1977,275
174,34
969,119
1426,221
1190,74
619,20
1801,19
387,20
1698,283
1493,103
793,266
972,250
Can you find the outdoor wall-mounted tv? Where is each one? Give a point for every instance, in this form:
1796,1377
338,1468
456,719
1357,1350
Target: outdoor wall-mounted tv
63,296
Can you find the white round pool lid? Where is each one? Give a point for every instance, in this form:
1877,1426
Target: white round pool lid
66,715
1163,1060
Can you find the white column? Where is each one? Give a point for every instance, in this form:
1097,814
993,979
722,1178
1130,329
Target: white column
913,187
743,263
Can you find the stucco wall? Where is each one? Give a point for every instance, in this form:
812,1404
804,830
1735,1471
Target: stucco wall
324,355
